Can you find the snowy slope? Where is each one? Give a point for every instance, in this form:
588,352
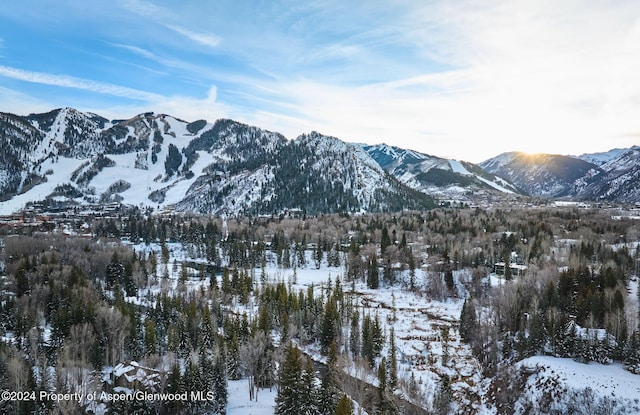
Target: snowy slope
435,175
610,176
156,160
603,157
546,175
618,179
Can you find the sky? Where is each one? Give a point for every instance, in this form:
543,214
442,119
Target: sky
452,78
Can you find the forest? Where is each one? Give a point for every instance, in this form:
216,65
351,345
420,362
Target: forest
159,314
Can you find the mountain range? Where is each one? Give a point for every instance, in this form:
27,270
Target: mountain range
613,176
67,157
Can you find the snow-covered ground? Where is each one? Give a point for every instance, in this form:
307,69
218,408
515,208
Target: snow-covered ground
240,404
609,380
556,375
419,324
60,173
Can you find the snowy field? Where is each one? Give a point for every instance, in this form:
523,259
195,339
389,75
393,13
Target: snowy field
240,404
609,380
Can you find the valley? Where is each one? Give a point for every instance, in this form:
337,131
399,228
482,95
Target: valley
410,303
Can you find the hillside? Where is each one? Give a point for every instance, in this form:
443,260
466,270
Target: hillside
155,160
544,175
435,175
612,176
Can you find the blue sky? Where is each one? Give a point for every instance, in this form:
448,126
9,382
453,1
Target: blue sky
461,79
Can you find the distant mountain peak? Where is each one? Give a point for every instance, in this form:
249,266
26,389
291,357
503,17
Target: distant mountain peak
612,175
435,175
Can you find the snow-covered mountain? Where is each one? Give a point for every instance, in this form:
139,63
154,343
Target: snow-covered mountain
66,156
612,176
435,175
69,157
618,180
602,157
544,175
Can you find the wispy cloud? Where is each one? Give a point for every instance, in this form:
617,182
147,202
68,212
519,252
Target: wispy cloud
167,62
67,81
168,19
206,39
533,76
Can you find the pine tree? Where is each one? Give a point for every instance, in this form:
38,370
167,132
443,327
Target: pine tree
442,400
373,275
308,403
468,320
632,353
219,386
22,282
412,269
135,339
367,340
392,362
331,384
150,340
354,334
233,357
378,336
344,407
329,327
385,240
383,405
290,383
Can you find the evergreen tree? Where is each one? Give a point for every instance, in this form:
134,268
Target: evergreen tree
174,380
442,400
384,405
468,320
367,340
392,362
354,334
331,384
290,383
412,269
308,402
344,407
150,340
378,335
373,275
135,339
22,282
385,240
330,325
219,386
632,353
448,279
233,357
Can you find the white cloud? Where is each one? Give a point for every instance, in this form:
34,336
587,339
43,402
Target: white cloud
77,83
22,104
190,108
537,76
167,19
206,39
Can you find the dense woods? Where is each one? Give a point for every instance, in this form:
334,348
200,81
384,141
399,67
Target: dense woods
82,315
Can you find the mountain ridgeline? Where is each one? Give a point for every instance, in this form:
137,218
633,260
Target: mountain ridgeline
67,157
613,176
